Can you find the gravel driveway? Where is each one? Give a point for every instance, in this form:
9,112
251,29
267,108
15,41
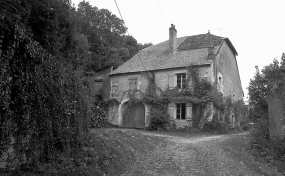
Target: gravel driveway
191,156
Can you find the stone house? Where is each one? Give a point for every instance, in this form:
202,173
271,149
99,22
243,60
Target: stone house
213,56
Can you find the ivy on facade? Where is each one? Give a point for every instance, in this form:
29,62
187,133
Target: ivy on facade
200,92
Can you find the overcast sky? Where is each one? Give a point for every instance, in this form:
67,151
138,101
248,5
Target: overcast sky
256,28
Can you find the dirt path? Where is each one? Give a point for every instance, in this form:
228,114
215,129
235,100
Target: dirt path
190,156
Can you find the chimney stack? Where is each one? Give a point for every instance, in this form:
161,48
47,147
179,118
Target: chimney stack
211,51
172,39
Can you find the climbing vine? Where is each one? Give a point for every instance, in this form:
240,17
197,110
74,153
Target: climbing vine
200,91
43,102
197,91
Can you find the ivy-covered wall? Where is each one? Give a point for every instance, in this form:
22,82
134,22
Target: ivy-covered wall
201,101
164,80
120,84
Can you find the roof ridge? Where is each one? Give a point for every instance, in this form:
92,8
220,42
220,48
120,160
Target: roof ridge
190,50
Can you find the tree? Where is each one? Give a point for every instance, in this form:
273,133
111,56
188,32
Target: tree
258,91
109,46
104,32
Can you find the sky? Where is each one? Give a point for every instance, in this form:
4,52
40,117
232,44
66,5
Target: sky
256,28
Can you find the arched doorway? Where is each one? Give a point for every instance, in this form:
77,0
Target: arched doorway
134,116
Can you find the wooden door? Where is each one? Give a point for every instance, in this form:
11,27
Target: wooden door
139,114
134,116
128,120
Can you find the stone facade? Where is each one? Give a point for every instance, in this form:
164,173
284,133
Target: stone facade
228,78
164,79
228,73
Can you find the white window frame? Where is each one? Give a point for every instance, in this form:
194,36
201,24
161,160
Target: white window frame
185,113
175,78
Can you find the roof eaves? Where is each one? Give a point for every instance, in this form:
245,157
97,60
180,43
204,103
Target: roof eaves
209,63
231,45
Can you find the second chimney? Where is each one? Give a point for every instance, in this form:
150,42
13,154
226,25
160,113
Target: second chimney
172,39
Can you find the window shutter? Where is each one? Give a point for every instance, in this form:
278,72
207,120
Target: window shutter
130,86
189,111
190,83
171,81
171,110
133,83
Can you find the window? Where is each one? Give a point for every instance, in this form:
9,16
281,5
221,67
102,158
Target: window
181,80
180,111
220,84
133,83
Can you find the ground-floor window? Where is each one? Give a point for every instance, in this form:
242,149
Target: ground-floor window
180,111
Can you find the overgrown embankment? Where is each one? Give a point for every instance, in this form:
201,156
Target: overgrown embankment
110,151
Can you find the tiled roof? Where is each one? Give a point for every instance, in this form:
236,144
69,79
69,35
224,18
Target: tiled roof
191,50
200,41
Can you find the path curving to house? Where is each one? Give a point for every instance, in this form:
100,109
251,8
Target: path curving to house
201,156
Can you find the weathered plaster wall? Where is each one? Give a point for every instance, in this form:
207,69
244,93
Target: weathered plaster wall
120,84
106,87
166,78
99,87
227,67
113,113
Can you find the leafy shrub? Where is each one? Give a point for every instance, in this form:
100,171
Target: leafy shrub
260,131
215,126
158,119
98,118
260,140
245,127
277,147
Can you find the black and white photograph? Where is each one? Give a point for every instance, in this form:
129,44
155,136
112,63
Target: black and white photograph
142,88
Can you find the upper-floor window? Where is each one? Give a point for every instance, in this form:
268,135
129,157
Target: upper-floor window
181,80
133,83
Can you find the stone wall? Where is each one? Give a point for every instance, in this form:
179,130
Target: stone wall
227,68
276,110
164,79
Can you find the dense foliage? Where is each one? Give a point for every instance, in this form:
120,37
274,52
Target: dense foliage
43,103
258,90
98,118
46,46
259,86
215,126
108,46
159,119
